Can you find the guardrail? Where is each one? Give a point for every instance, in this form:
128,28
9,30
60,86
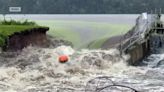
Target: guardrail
141,29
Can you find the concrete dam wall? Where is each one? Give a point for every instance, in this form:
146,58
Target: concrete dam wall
138,52
144,39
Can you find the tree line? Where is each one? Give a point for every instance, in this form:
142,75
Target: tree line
82,6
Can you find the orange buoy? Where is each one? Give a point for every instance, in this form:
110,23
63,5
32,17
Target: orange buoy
63,58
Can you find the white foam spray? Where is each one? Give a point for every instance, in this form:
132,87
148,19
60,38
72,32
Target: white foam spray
38,70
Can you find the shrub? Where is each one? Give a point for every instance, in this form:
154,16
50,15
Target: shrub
14,22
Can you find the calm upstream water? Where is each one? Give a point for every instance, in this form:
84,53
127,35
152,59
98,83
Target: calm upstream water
96,26
38,69
109,18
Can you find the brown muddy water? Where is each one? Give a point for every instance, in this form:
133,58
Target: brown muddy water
38,70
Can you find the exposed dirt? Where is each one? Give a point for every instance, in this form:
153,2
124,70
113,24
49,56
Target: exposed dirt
35,37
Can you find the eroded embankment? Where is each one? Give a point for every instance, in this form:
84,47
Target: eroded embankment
19,40
38,69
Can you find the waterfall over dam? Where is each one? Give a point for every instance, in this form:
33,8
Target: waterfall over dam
38,69
145,38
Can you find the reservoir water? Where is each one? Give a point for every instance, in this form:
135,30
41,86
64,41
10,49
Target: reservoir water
38,70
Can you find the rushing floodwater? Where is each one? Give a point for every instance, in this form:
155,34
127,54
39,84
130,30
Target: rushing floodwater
38,70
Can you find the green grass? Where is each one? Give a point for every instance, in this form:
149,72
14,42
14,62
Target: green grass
61,30
8,30
64,33
119,30
96,43
100,31
65,30
9,27
15,22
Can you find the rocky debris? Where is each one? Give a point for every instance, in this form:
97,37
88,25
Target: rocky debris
56,42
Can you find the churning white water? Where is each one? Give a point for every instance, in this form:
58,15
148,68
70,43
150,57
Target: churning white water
38,70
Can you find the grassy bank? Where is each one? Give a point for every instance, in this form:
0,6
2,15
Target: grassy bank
80,33
8,28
